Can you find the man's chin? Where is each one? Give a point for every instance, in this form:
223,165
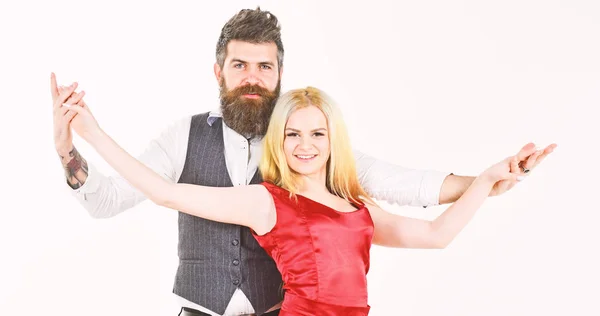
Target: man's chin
251,102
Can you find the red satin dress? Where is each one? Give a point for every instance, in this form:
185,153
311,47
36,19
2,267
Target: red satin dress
322,255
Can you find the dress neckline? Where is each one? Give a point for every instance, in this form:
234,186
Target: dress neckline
358,207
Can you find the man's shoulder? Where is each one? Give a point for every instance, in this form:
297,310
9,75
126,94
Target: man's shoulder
186,120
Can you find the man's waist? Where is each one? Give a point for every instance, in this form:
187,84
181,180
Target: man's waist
185,311
238,305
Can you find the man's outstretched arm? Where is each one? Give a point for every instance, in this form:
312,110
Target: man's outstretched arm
404,186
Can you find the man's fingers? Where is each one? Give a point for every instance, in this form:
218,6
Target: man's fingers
64,94
69,99
75,97
53,89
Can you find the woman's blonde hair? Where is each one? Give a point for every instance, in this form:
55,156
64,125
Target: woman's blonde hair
342,179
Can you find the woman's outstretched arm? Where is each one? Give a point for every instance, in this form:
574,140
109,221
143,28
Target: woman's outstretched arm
250,206
398,231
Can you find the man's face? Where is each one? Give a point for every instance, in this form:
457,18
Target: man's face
249,86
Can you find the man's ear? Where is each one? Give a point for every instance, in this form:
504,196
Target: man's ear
217,69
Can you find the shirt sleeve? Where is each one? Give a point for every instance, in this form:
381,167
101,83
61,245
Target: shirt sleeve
398,185
106,196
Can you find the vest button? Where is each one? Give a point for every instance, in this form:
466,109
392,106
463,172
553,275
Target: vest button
236,281
235,242
235,262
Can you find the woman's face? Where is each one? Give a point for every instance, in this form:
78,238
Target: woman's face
306,144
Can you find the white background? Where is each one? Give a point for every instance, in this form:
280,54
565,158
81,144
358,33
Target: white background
445,85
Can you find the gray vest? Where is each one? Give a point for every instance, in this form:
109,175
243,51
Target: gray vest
216,258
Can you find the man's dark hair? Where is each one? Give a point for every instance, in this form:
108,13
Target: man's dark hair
253,26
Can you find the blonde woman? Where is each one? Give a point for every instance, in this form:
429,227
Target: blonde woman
310,214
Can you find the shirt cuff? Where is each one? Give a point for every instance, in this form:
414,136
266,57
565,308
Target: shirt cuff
431,187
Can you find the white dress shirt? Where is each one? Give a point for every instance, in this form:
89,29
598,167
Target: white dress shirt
106,196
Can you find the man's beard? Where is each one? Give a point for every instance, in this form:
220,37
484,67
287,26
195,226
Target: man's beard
248,117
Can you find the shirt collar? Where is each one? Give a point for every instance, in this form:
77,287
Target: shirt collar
213,116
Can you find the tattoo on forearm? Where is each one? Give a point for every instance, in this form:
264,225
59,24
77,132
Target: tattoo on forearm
76,169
